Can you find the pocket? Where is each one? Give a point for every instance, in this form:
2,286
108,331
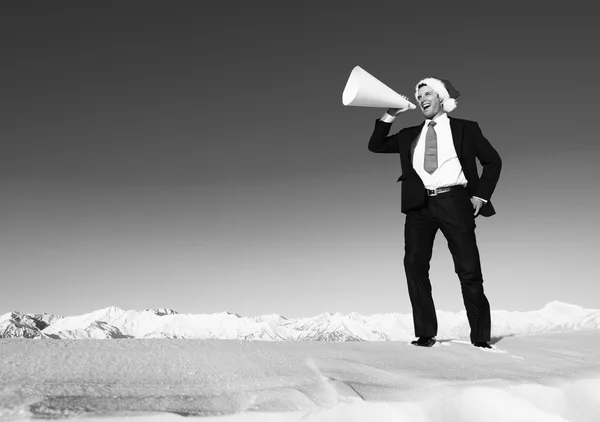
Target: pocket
470,209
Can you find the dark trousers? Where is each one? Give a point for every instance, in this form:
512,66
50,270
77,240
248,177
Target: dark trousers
452,213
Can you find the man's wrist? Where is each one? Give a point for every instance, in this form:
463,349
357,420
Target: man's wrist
387,118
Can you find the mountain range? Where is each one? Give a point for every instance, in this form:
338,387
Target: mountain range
116,323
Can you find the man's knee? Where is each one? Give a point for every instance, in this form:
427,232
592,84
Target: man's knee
471,279
415,260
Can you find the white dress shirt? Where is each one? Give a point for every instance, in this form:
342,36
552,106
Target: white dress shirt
449,171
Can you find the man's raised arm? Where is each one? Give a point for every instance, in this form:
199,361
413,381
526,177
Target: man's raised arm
380,142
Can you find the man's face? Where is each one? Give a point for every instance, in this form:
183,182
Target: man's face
429,101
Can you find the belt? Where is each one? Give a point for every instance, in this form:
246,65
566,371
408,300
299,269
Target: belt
436,192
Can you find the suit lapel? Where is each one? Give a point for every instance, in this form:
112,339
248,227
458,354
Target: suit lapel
457,130
413,145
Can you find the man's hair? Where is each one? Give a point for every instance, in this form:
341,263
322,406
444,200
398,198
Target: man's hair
421,85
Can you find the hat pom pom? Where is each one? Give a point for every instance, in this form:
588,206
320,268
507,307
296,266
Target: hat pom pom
449,105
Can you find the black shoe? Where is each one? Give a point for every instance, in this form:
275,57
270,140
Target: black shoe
424,341
482,344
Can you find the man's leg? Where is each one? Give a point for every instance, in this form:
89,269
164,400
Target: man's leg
419,234
457,223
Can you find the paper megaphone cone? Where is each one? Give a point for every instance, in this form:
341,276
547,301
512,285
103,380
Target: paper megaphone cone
364,90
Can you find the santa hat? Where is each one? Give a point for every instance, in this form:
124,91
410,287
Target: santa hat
444,89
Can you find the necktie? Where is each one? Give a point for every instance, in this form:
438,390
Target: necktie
431,161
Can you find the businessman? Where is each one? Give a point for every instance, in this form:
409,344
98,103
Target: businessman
441,189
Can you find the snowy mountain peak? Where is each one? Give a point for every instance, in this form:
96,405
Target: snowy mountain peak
114,322
8,315
16,324
162,311
328,316
270,317
113,309
558,305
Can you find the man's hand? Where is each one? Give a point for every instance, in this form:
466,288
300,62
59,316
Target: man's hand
396,111
477,204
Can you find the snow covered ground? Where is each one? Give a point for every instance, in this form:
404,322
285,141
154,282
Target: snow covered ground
541,377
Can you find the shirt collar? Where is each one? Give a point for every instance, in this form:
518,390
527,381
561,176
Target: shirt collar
442,118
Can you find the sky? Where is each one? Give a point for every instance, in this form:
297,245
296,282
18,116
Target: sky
198,157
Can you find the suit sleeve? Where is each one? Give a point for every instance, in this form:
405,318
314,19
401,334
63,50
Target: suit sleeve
490,161
380,142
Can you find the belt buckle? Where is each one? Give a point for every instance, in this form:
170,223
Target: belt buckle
432,192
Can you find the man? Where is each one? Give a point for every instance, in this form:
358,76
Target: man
441,189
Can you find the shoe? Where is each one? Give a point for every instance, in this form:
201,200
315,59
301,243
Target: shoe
482,344
424,341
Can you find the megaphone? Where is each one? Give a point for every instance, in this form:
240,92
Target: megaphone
364,90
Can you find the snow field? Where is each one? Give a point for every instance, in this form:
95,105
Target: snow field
549,377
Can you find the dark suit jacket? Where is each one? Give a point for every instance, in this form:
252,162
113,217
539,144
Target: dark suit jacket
469,143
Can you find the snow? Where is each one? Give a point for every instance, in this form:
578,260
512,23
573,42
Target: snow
535,377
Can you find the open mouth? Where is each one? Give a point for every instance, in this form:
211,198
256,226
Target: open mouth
425,106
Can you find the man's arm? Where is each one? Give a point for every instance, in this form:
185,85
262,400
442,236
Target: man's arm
380,141
491,163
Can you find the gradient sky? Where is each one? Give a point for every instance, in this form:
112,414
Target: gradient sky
197,156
